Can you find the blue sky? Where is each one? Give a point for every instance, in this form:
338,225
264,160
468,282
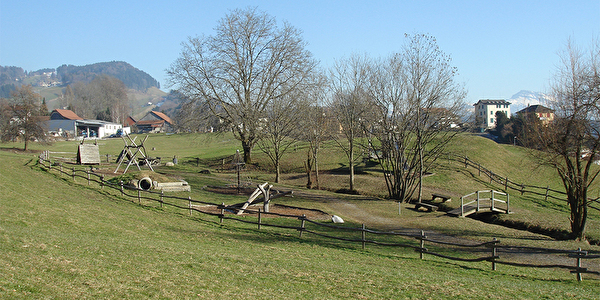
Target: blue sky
499,47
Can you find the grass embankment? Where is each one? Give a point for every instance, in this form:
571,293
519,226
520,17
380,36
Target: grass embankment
59,239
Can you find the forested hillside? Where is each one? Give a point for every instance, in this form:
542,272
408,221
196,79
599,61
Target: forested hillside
132,77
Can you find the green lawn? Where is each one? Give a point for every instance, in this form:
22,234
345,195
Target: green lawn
60,239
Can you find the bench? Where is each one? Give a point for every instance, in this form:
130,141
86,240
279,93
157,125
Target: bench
444,197
429,207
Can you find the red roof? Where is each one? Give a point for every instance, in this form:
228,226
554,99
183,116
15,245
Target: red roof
162,116
67,114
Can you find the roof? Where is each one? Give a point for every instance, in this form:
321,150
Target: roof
492,102
536,109
67,114
162,116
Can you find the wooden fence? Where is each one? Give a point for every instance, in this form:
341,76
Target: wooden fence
507,184
487,251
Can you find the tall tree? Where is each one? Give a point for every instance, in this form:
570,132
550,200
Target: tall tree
21,117
571,143
415,100
240,71
349,83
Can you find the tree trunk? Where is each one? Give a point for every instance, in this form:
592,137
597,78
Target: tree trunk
578,215
277,172
351,162
247,147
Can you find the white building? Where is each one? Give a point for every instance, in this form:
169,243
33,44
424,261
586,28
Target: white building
485,112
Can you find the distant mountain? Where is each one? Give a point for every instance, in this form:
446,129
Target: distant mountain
525,98
132,77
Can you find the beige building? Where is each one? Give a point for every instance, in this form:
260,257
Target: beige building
485,112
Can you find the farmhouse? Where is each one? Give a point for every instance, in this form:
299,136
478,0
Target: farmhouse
154,122
485,112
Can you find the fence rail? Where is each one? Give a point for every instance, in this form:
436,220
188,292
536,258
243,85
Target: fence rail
366,236
505,182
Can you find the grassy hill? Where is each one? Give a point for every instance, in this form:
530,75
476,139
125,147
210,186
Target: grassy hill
60,239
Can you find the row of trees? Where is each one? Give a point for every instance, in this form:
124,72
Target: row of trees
104,98
258,79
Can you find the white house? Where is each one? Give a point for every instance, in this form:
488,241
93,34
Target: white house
485,112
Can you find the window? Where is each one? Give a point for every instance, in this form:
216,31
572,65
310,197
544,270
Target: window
491,120
491,112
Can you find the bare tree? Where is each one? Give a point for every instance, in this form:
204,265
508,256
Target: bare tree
278,128
21,117
415,100
241,70
349,80
316,126
571,143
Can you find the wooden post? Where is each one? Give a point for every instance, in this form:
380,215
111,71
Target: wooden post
479,168
506,184
466,165
547,190
422,238
60,167
121,184
222,212
139,196
579,254
102,182
162,194
494,254
73,174
363,236
259,218
88,176
190,204
197,161
303,218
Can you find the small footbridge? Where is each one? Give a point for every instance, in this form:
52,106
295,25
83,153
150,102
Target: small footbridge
482,201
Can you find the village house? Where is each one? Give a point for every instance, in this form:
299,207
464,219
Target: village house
485,112
546,115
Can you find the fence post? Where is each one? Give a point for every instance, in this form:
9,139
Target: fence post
547,190
363,236
190,204
121,184
73,174
60,167
506,184
88,176
578,268
139,196
303,218
466,165
162,194
494,254
259,218
222,212
479,168
522,189
102,182
492,200
422,238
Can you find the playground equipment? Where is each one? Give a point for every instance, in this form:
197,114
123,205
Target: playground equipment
132,156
